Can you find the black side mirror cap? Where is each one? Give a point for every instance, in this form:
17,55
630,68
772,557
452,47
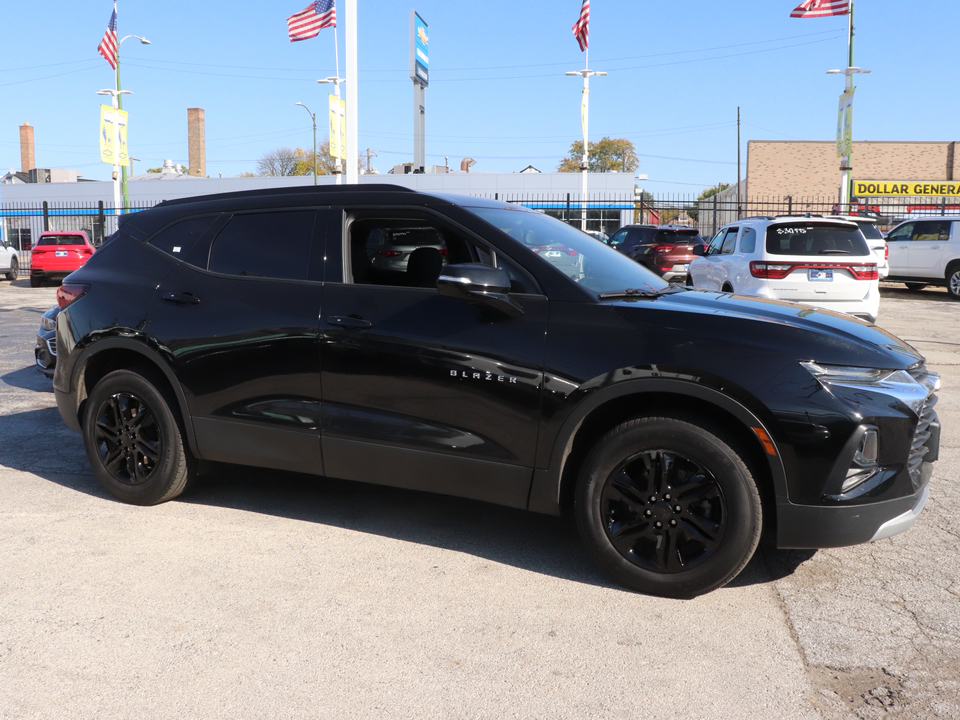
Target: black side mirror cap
700,250
481,285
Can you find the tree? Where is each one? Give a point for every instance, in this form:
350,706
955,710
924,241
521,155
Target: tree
694,211
278,163
608,155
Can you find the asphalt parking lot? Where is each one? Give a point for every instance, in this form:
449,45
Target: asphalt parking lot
260,594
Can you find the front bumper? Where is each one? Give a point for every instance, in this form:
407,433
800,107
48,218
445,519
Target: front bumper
45,353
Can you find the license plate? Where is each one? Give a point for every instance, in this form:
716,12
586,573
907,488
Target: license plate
820,275
553,253
61,253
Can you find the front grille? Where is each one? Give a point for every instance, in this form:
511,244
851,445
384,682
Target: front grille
52,346
927,416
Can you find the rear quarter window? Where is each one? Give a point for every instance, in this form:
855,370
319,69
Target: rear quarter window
815,240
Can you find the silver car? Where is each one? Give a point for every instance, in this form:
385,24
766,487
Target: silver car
390,248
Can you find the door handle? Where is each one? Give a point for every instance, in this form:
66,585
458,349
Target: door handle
184,298
349,322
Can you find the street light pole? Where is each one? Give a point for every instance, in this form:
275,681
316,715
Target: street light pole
335,81
115,102
314,118
585,119
119,106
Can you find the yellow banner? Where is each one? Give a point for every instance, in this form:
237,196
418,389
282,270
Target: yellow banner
113,136
906,188
338,128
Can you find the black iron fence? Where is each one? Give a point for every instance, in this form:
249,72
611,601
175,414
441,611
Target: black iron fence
22,223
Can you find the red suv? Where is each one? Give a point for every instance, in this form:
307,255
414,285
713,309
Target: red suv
57,254
665,249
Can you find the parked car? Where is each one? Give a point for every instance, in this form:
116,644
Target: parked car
666,250
9,262
390,250
45,351
674,425
874,238
57,254
811,260
926,252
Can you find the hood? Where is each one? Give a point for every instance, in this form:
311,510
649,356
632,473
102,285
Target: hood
807,332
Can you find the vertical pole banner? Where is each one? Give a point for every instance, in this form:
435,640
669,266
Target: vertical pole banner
113,130
845,124
338,127
106,134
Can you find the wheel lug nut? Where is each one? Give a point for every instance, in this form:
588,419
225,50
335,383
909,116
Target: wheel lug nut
677,508
659,525
649,513
673,523
653,498
667,496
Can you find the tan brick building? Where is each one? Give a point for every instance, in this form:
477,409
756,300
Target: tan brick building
811,170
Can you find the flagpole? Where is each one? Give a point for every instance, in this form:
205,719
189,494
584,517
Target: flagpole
586,148
336,90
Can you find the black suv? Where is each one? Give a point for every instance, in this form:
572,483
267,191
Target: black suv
675,424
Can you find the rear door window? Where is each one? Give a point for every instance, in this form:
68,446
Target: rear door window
816,240
265,244
180,239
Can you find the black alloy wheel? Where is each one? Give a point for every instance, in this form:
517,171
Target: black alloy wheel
133,441
14,269
668,507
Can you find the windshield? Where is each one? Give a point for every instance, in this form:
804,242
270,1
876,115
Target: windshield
584,259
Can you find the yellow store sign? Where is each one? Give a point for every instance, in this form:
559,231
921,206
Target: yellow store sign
909,188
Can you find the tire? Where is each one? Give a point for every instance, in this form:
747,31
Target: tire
627,499
953,281
34,281
690,281
727,288
14,269
915,286
133,440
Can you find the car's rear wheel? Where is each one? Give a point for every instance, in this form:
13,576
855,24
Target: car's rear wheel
953,281
133,440
35,281
14,269
667,506
915,286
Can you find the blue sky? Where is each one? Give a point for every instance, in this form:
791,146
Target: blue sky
498,93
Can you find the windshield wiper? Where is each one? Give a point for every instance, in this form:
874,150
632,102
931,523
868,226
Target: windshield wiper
628,293
834,252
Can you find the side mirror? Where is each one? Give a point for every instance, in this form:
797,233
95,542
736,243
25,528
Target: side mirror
481,285
700,250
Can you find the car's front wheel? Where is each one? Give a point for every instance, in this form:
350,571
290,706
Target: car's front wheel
14,269
667,506
133,440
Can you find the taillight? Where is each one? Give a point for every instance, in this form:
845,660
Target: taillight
864,272
443,251
663,248
69,293
391,253
572,253
772,271
886,252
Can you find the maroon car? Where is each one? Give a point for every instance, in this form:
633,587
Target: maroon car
665,249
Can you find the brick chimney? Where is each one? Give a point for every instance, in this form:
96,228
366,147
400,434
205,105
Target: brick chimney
197,141
28,155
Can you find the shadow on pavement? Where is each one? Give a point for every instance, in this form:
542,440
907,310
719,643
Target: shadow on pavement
29,378
41,444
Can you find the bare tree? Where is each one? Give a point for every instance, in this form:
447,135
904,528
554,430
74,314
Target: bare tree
278,163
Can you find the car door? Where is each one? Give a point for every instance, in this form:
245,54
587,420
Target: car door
238,319
714,273
898,249
930,239
422,390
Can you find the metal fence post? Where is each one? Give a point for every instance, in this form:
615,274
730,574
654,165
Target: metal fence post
46,217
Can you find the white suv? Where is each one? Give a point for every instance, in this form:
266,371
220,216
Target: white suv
816,261
9,263
926,252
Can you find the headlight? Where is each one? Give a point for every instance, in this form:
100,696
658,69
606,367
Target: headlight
47,323
898,383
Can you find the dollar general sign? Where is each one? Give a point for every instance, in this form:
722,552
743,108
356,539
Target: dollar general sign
912,188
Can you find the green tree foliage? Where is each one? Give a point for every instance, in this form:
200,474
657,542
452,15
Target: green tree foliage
607,155
694,210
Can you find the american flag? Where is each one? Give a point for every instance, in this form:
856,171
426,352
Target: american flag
317,16
108,46
581,29
821,8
